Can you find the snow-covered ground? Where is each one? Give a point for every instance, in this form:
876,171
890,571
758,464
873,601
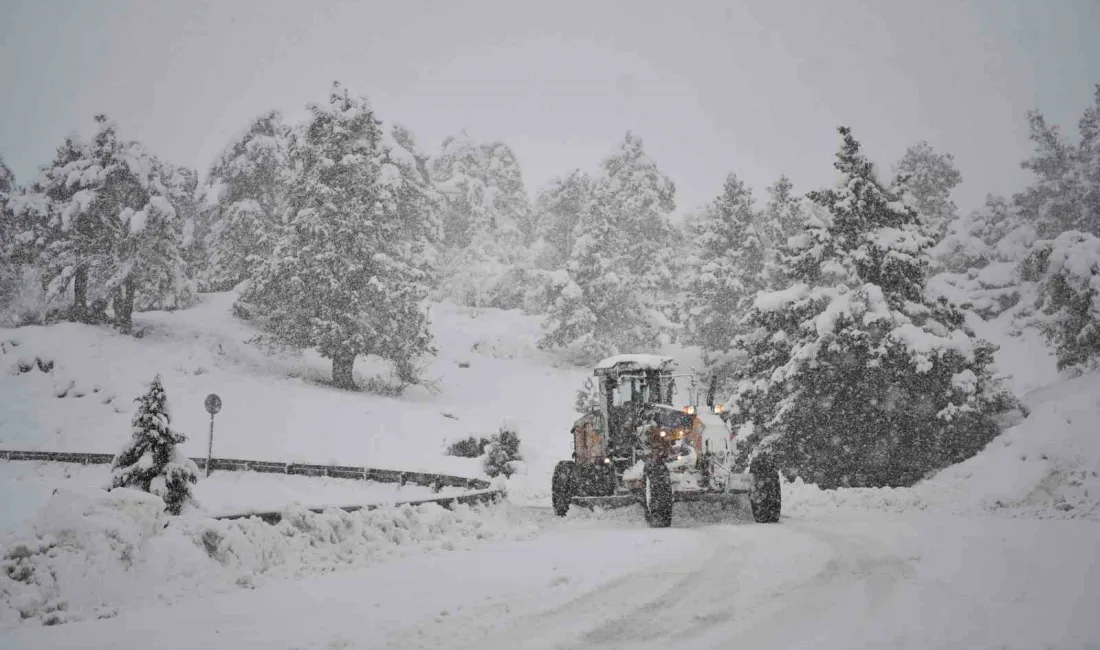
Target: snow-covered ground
277,407
873,581
997,552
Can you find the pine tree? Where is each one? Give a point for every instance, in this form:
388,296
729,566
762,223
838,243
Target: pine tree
927,177
246,185
7,178
340,278
152,461
560,207
637,200
729,271
781,219
853,376
596,311
113,230
486,218
1088,167
1067,270
1050,202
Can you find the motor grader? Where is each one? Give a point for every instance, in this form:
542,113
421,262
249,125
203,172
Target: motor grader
638,447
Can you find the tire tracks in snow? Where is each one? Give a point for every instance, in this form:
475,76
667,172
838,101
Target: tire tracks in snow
782,586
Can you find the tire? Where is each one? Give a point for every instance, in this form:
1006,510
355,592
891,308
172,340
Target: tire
563,487
765,495
657,495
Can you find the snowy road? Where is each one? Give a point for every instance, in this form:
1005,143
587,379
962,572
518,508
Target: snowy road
872,581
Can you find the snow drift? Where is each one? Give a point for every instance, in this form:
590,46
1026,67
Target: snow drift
85,555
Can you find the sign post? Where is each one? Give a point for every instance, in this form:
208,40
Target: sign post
213,405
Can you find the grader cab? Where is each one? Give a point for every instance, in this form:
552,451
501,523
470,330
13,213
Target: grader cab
638,446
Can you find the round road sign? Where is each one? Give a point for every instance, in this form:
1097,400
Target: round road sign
213,403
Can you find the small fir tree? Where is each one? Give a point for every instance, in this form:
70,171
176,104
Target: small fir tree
152,461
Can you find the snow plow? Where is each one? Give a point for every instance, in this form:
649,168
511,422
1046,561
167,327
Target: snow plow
638,447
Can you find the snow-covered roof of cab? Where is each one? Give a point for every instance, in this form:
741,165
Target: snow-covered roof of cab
633,363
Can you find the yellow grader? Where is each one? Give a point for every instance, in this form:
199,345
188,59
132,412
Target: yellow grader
638,447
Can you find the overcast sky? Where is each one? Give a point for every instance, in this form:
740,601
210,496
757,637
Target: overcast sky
755,88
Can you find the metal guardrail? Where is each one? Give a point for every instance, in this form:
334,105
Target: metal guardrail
275,516
427,479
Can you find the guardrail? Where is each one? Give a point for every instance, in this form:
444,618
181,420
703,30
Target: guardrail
427,479
275,516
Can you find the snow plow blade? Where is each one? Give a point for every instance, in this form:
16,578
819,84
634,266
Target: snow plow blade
613,501
623,500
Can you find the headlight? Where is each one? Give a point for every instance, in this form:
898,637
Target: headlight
719,408
663,433
689,410
606,461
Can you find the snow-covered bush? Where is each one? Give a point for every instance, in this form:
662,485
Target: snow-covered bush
152,461
471,447
502,451
1068,271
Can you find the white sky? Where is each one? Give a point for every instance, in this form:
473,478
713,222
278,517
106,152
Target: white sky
755,88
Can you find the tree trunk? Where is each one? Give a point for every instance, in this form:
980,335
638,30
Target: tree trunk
124,307
80,295
342,367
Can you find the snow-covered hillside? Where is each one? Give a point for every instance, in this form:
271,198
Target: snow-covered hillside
279,407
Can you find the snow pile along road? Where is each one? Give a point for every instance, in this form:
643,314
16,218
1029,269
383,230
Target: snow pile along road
220,494
84,556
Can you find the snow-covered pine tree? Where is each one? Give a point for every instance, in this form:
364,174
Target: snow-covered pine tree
596,312
486,219
339,279
782,218
7,178
1088,167
727,274
560,208
246,192
975,240
1053,202
152,461
854,377
926,178
113,231
1068,271
637,199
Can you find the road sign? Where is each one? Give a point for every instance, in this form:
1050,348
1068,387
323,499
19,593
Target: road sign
213,403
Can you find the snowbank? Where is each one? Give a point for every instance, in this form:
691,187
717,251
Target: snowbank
85,555
222,493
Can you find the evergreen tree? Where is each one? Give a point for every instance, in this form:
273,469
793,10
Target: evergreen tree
596,311
727,274
853,376
246,186
7,178
1088,167
618,278
486,219
1052,203
560,207
152,461
927,178
113,230
637,199
781,219
975,241
1067,270
343,277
